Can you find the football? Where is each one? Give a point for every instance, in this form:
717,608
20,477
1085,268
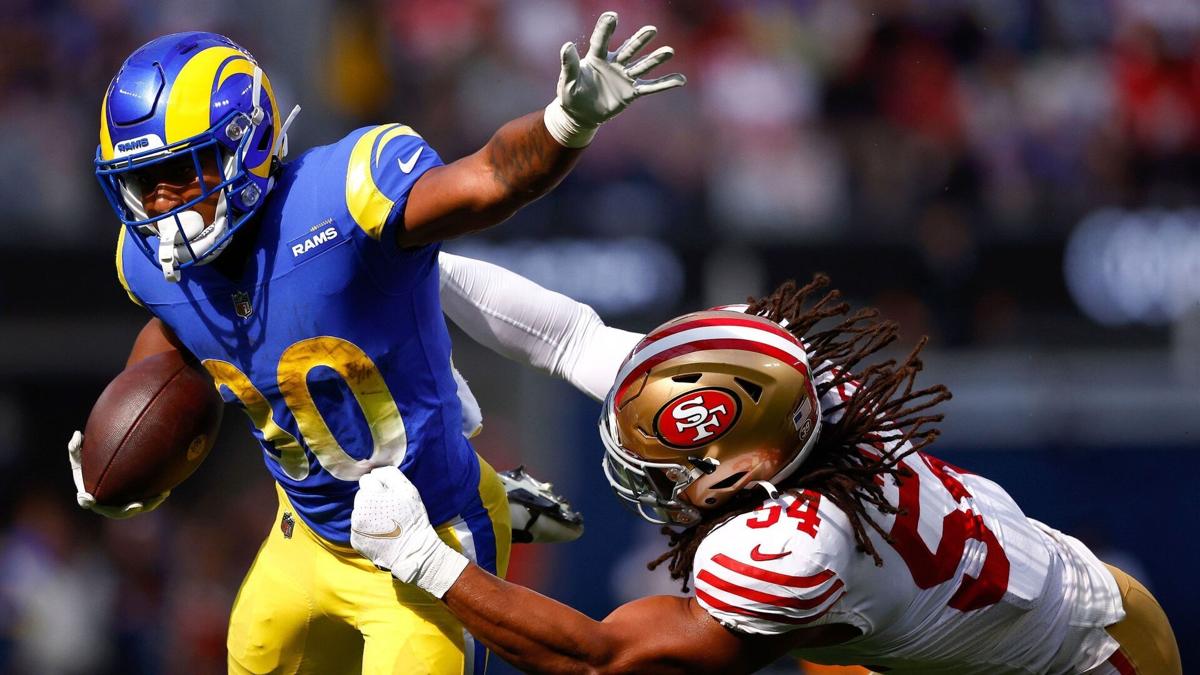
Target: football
149,430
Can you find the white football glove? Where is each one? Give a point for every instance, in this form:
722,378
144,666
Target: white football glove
389,526
604,83
87,501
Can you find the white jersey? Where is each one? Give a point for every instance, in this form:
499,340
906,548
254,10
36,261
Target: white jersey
969,584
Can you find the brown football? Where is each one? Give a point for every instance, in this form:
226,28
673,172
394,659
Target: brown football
149,430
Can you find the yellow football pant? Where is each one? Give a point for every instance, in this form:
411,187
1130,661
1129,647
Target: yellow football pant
1148,644
311,606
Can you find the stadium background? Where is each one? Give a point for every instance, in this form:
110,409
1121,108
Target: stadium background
1015,179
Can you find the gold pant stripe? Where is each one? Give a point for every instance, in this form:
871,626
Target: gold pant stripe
495,500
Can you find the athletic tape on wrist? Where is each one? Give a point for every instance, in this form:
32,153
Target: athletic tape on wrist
442,570
565,130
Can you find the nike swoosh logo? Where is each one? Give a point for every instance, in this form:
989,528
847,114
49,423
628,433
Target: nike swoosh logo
379,535
759,556
407,166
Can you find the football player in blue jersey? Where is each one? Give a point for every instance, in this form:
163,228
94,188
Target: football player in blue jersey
309,291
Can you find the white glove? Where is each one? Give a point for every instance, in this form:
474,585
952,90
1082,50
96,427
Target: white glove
389,527
604,84
87,501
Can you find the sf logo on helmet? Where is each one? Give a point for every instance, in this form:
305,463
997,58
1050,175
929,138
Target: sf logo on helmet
696,418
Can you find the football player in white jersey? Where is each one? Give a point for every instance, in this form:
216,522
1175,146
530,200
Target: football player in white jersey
791,477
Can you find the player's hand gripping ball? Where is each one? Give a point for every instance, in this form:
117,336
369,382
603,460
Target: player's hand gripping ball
149,430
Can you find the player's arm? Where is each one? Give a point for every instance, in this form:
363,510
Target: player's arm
390,527
532,325
154,338
660,634
528,156
518,165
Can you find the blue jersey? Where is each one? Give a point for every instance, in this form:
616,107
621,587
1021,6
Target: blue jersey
333,340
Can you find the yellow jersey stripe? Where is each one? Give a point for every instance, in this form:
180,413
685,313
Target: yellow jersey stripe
398,130
368,205
121,267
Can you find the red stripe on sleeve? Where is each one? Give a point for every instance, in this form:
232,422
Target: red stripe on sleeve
726,607
766,598
772,577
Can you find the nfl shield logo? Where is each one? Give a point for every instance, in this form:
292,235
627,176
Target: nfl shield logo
241,304
287,525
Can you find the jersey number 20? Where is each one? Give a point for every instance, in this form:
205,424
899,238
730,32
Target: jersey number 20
362,378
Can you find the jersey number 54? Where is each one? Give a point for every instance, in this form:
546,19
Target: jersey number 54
930,568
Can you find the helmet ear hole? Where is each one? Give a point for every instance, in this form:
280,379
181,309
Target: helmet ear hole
264,140
752,390
725,483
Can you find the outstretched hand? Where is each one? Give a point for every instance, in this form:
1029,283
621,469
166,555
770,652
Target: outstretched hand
604,83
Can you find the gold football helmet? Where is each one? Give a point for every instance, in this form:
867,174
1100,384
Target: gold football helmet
706,405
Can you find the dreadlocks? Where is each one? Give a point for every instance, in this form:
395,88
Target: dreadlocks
885,412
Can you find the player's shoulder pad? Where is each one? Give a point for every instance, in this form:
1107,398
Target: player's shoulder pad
383,162
769,571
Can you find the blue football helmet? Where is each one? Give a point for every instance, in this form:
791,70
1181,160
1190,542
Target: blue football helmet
185,98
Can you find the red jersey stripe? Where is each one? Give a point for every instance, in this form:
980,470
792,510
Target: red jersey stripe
772,577
767,616
766,598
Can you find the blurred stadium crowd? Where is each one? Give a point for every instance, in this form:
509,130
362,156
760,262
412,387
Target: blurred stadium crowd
934,120
937,127
934,155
